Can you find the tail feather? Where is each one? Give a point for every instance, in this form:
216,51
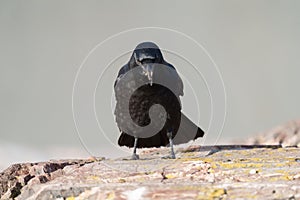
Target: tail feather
187,131
126,140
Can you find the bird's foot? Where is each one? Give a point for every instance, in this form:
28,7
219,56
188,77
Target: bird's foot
171,156
135,157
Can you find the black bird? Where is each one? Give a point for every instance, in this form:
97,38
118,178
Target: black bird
145,81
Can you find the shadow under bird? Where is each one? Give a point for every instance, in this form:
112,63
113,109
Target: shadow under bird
148,107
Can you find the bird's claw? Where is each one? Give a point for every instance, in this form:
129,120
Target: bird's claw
171,156
135,157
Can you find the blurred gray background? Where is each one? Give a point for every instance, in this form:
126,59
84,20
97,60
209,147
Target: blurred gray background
256,45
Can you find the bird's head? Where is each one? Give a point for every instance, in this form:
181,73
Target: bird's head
145,55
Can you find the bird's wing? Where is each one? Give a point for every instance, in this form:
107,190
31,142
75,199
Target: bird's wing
122,71
178,84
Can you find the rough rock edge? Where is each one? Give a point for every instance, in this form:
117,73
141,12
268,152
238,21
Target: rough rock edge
15,177
287,134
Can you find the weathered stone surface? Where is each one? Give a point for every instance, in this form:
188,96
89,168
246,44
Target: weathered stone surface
14,178
220,172
287,134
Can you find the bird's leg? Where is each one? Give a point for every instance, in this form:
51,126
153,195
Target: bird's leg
134,155
169,134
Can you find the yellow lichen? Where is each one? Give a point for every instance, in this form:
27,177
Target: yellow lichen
122,180
94,178
240,165
110,196
188,187
228,154
211,193
218,192
169,176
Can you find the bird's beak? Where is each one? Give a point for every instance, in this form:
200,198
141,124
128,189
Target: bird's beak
148,70
147,66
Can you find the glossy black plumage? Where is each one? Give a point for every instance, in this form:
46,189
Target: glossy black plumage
148,57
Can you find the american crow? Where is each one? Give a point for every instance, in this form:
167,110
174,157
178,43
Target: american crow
147,91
